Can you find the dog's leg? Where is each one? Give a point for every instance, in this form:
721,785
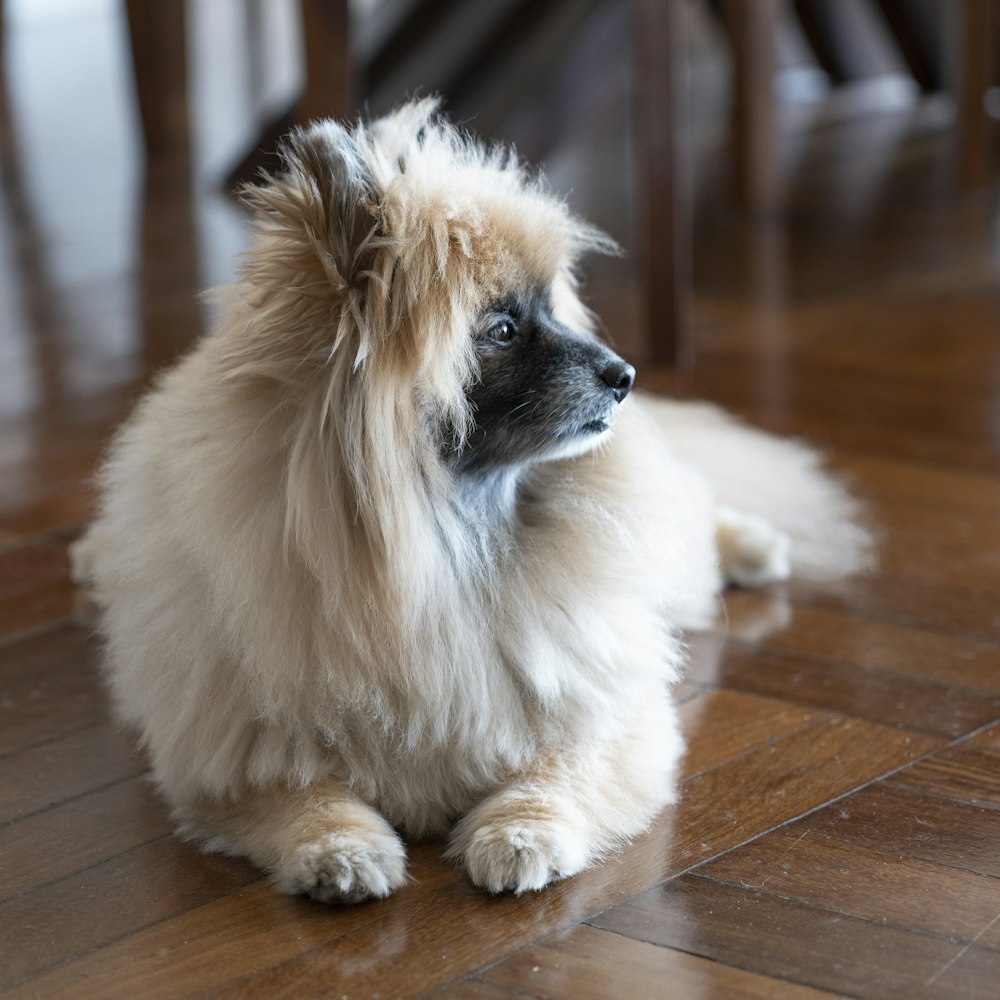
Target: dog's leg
321,840
568,808
752,552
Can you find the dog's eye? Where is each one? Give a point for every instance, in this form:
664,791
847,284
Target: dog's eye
503,332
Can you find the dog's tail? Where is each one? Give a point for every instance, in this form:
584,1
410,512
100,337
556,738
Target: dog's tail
781,481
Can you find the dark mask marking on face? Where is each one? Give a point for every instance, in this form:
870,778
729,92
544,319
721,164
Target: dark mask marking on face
543,391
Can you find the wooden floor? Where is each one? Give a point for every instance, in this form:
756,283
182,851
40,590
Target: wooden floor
839,830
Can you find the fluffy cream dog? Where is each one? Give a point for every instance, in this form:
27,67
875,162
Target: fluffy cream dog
392,551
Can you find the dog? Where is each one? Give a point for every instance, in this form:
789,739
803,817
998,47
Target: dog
399,551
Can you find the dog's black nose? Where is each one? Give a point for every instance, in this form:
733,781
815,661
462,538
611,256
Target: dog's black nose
619,376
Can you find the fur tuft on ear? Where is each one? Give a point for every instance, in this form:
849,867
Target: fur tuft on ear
392,138
317,222
326,156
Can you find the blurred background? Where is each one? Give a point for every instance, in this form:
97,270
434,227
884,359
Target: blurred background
804,191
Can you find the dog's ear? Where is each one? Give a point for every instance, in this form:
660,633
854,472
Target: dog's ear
344,200
324,205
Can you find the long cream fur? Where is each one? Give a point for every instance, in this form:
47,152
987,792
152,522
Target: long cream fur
318,637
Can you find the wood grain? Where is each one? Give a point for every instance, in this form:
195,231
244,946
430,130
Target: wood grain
814,946
825,684
950,608
37,604
850,410
846,636
936,489
49,773
722,724
473,989
796,862
987,738
31,562
729,804
148,885
48,685
253,928
77,834
967,774
589,964
902,820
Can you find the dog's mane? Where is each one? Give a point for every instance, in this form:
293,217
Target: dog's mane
371,255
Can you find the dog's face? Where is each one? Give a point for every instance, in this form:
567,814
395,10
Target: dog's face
542,392
424,283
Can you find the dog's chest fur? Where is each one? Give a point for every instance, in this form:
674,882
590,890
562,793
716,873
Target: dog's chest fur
489,671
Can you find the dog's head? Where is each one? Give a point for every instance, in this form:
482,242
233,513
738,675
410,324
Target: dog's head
427,282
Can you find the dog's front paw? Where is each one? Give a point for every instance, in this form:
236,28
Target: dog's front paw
508,853
751,551
345,867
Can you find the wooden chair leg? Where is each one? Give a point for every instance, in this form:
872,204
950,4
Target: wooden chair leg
662,223
977,62
330,89
916,31
329,85
157,31
753,27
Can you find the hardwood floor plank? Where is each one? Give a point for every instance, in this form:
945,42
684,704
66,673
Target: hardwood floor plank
30,562
727,805
62,509
228,937
40,603
746,722
817,947
989,738
890,817
85,831
76,763
50,690
140,888
928,707
915,337
723,724
930,556
967,529
934,487
36,655
843,636
78,834
473,989
964,773
591,964
797,862
948,608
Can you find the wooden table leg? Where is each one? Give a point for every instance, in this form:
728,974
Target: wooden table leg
662,217
753,26
329,84
157,32
330,89
977,67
